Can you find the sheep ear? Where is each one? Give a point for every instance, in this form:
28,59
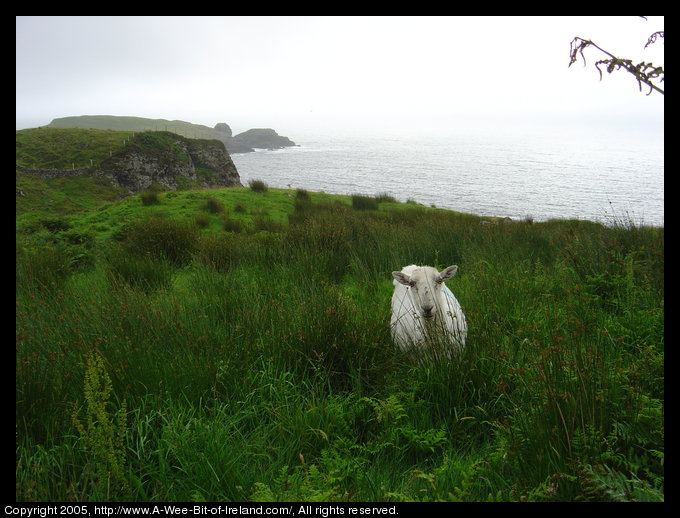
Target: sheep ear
447,273
402,278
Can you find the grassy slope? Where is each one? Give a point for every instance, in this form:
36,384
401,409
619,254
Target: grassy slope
105,122
51,148
64,148
61,196
258,365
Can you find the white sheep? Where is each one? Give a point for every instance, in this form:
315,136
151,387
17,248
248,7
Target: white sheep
425,313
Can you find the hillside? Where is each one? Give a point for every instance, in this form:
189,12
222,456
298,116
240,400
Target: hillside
241,143
109,122
235,345
67,170
51,148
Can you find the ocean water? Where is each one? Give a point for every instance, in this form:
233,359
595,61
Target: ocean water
596,177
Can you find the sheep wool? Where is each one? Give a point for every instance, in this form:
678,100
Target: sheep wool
427,319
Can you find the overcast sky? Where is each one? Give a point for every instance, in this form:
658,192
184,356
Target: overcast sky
346,74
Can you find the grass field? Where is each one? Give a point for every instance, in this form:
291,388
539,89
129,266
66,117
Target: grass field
44,148
234,345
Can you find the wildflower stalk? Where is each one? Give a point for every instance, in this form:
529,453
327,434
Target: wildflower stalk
103,433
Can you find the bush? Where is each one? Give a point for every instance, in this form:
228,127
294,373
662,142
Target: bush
232,225
149,198
220,251
360,202
202,221
263,222
141,272
79,245
258,186
54,224
385,197
42,268
214,206
162,238
302,194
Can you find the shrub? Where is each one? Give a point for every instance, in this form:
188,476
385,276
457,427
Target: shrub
80,237
302,194
258,186
232,225
142,272
214,206
300,206
385,197
42,268
79,246
360,202
162,238
202,221
305,210
263,222
220,251
149,198
54,224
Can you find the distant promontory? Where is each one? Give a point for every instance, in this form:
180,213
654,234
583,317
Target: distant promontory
246,142
262,138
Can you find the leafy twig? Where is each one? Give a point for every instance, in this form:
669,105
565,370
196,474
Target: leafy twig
644,72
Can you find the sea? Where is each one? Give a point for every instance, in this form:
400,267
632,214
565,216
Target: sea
609,178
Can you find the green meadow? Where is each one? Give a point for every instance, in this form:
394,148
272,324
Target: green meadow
234,345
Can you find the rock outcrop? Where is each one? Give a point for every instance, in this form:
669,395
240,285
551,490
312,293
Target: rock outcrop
223,127
170,160
261,138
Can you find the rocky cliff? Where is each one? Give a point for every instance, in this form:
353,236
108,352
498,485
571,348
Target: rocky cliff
170,160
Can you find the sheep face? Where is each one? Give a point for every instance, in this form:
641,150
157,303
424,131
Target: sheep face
425,284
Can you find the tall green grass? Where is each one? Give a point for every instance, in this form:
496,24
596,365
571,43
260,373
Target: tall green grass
259,365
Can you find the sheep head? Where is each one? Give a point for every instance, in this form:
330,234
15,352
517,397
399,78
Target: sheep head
425,285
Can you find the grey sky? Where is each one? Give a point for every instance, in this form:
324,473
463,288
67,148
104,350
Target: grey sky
353,74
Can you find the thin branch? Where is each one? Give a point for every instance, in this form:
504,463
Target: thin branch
653,37
644,72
